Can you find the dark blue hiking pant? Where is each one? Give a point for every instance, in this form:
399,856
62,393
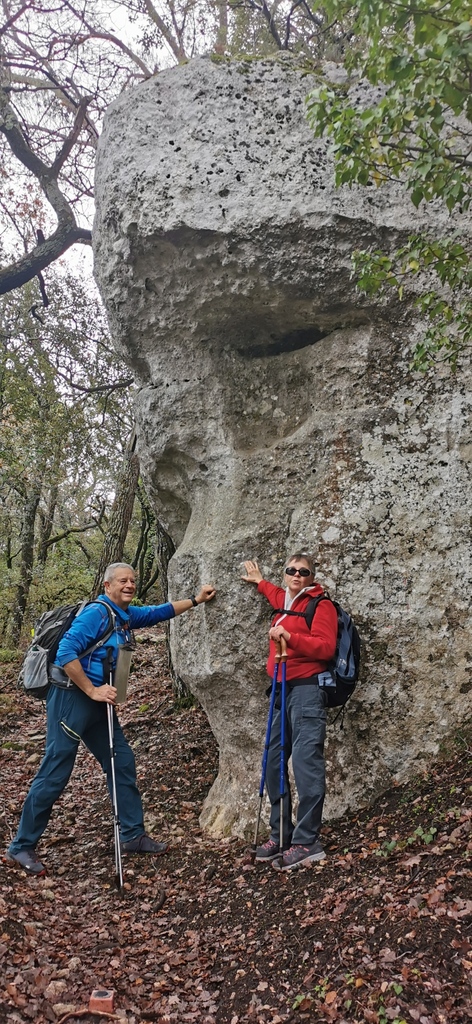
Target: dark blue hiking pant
305,731
71,717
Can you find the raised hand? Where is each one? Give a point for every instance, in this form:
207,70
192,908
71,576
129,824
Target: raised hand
254,574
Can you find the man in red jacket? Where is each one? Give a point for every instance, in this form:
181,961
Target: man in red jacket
309,652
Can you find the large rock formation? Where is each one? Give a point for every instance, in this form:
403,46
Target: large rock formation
276,411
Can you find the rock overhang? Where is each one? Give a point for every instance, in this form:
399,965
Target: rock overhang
236,200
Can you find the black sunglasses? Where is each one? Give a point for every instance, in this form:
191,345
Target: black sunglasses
291,571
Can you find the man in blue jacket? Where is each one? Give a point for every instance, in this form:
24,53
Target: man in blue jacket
76,711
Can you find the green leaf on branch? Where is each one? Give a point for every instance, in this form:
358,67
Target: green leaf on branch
421,56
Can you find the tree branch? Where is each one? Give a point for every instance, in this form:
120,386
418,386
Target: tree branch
11,21
110,38
67,232
267,14
71,529
118,385
69,143
172,43
17,274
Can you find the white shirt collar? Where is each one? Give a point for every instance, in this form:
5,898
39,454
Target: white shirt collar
289,600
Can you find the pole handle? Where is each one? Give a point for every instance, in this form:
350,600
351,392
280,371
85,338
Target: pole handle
283,646
278,651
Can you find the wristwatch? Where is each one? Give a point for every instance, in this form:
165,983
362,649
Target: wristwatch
194,601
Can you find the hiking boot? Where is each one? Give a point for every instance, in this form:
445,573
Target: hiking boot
28,860
268,851
297,856
143,844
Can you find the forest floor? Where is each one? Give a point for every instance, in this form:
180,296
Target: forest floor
379,932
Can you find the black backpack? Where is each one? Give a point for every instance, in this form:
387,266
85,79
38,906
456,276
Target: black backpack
48,631
343,672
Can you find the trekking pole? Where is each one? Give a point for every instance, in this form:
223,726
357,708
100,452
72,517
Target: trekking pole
266,747
114,800
283,702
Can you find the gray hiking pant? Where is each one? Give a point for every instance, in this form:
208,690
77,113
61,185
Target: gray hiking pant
305,731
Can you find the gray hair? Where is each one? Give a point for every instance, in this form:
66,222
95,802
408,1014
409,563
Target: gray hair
302,556
113,568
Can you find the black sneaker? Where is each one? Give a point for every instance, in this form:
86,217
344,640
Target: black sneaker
144,844
297,856
28,860
268,851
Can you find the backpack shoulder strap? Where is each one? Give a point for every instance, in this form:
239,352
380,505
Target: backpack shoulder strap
108,629
310,609
312,606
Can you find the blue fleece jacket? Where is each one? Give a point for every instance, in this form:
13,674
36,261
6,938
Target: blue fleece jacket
92,623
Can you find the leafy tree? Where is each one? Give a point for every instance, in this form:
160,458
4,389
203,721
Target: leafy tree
65,419
120,516
417,54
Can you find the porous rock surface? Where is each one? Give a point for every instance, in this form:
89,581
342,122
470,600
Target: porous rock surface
276,411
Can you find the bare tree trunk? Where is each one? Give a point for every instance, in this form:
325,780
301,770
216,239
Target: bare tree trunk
120,517
47,518
221,41
145,554
165,550
26,565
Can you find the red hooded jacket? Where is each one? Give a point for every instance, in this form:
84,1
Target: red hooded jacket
308,651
